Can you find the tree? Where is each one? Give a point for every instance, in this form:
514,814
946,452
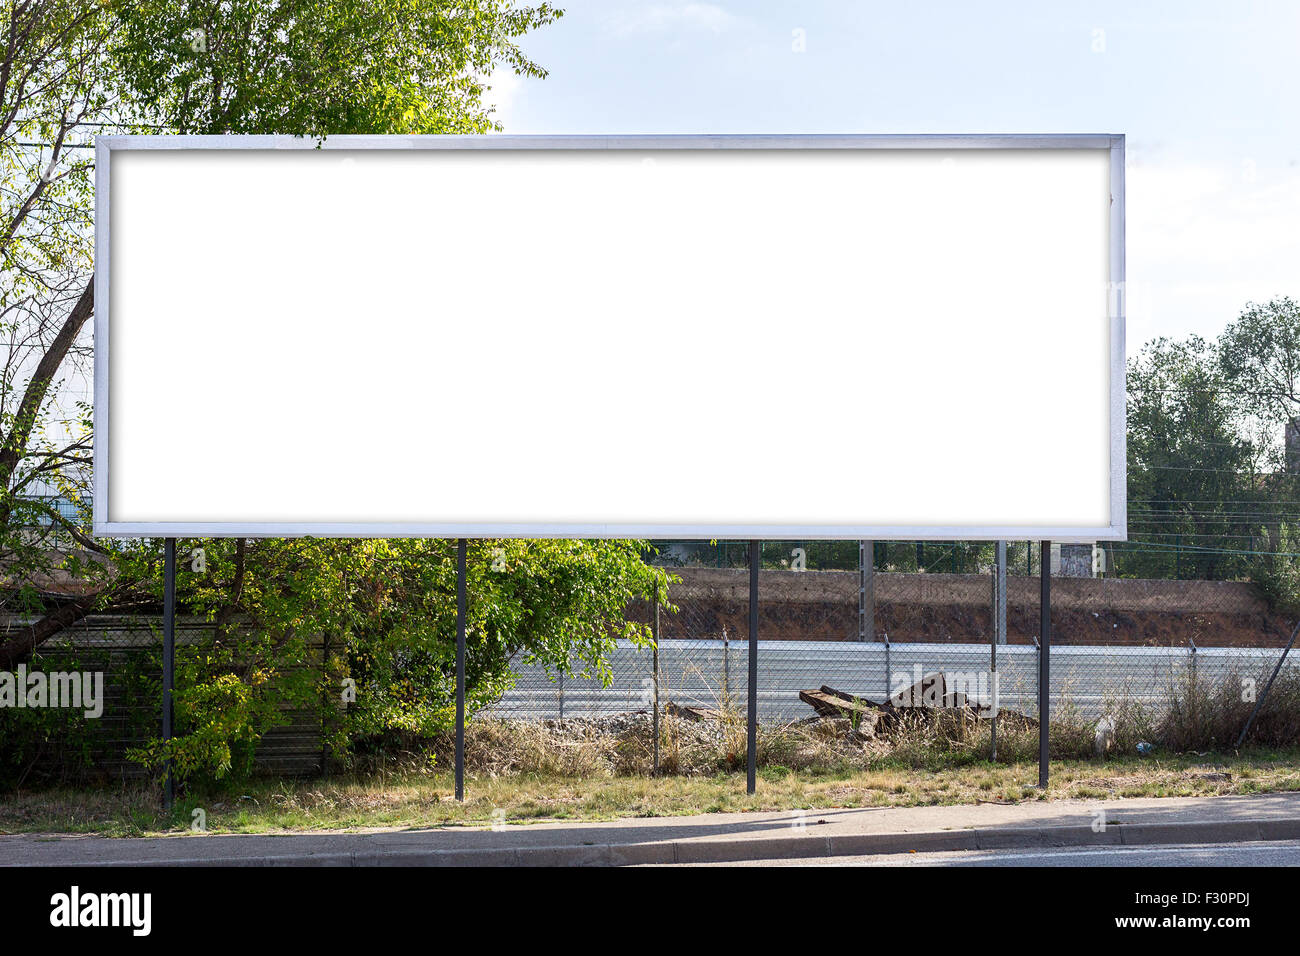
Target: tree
561,604
73,68
1197,483
52,100
311,69
388,610
1260,355
289,67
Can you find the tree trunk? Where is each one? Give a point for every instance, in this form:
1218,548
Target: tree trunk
15,443
19,645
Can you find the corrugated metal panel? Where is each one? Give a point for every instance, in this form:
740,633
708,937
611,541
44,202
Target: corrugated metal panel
695,672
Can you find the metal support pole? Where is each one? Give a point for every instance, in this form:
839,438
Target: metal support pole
324,704
169,659
889,676
755,554
655,721
726,666
999,635
993,689
1038,663
1044,660
866,591
1000,624
460,669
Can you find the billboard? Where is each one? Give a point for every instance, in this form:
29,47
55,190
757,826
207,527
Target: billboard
864,337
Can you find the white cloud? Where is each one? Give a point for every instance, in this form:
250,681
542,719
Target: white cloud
1203,241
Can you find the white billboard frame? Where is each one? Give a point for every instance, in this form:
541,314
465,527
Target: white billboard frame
1114,529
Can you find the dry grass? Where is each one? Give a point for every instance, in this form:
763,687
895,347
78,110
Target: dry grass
425,799
579,748
530,772
1207,715
579,769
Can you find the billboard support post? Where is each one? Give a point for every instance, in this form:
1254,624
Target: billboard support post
169,659
755,555
460,669
1044,659
654,728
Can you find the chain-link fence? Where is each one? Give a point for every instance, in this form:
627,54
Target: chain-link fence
871,621
840,625
98,699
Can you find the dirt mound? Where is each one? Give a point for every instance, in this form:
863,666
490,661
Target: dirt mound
823,606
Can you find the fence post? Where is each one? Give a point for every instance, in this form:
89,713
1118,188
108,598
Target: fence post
1000,609
866,591
726,667
1038,669
999,633
325,699
889,677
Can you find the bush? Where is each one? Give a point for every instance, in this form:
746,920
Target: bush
1209,715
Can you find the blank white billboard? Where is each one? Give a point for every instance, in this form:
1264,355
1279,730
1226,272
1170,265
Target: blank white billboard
858,337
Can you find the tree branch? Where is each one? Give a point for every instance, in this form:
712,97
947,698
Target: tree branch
19,645
15,443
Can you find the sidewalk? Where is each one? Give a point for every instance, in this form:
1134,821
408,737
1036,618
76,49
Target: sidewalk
707,838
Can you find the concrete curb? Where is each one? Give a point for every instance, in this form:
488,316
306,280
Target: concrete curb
792,847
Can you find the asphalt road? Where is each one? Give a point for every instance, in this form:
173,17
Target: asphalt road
1284,853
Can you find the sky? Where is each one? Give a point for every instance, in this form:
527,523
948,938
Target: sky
1205,93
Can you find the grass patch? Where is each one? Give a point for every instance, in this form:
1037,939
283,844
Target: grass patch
424,799
583,770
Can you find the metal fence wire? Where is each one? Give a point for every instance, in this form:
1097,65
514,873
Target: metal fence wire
857,619
870,620
124,653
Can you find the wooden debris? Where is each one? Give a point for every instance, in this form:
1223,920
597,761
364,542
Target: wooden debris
829,702
931,692
929,695
691,713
